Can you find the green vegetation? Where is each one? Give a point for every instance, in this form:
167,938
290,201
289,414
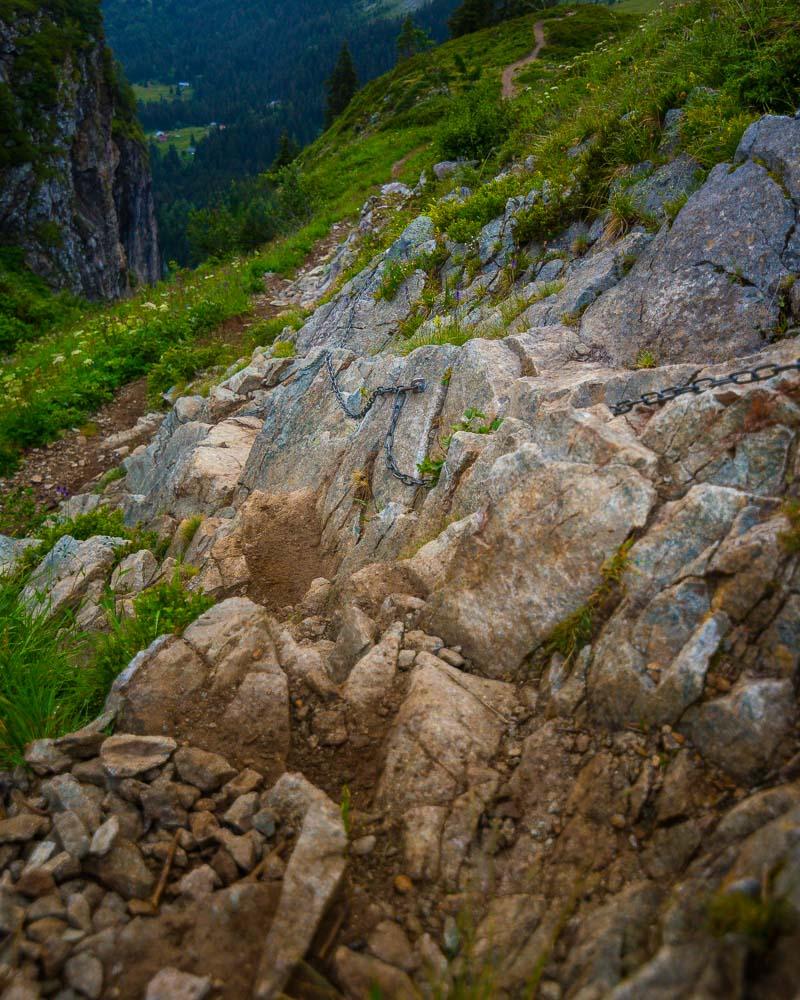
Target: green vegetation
790,540
607,105
28,308
646,359
100,521
59,380
21,512
474,422
152,91
181,140
55,678
345,809
579,628
283,349
760,920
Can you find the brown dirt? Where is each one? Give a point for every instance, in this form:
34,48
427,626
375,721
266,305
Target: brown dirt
81,455
399,166
282,559
510,89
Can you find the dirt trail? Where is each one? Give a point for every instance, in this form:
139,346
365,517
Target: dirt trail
397,168
71,463
509,88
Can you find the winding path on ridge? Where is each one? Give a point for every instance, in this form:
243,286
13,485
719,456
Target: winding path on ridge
509,73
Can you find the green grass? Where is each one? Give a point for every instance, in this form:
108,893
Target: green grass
55,678
180,139
616,96
59,380
152,92
28,308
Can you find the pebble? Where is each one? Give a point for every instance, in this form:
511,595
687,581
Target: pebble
403,885
364,846
618,821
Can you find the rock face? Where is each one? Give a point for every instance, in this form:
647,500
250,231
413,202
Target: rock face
707,288
75,192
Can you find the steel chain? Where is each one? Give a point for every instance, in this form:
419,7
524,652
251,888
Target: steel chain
744,377
400,393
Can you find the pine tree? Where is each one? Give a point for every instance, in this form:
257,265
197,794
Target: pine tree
472,15
287,151
411,40
341,86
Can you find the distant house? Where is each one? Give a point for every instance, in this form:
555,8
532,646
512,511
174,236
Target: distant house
183,85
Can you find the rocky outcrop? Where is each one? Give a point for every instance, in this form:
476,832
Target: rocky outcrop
554,693
75,185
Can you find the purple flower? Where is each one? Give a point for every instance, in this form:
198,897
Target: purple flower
63,492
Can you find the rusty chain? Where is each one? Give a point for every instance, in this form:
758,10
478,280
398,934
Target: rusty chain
744,377
400,393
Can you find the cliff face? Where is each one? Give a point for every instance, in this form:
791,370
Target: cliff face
75,184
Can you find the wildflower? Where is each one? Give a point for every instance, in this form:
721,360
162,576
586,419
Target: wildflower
58,359
88,362
76,352
149,305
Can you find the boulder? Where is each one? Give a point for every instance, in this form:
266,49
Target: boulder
126,756
706,289
312,876
68,570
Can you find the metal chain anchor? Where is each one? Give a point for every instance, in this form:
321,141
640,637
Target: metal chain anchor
744,377
400,393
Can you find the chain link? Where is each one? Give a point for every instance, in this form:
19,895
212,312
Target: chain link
400,393
744,377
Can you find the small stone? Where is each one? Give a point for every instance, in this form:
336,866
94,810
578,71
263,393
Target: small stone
79,913
48,927
72,833
198,883
389,942
403,885
126,756
364,845
24,827
84,973
224,865
35,882
421,642
47,906
451,657
171,984
240,815
123,870
206,771
105,837
204,826
242,849
618,821
65,792
45,758
245,782
162,802
264,822
405,659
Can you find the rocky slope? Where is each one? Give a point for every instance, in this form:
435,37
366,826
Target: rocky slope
530,731
75,186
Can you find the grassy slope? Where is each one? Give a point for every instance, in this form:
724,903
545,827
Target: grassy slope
746,51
